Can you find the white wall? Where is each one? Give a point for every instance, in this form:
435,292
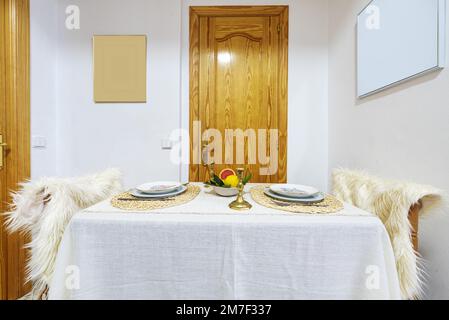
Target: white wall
43,81
93,136
400,133
128,136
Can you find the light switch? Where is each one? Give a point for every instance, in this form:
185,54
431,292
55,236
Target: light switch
166,144
39,142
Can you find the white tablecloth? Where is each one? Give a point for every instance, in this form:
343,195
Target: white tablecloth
204,250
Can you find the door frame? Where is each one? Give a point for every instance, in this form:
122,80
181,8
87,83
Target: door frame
194,49
15,127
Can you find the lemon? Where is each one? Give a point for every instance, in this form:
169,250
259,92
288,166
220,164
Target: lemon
231,181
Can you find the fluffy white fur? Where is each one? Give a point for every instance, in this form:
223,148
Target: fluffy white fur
391,202
43,208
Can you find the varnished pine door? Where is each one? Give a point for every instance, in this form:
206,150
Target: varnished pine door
15,131
238,80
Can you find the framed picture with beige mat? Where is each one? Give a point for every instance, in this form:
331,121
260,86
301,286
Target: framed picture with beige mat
120,68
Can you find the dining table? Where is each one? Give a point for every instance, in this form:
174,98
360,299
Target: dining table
203,250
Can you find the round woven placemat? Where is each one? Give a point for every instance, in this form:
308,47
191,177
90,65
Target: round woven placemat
329,205
126,201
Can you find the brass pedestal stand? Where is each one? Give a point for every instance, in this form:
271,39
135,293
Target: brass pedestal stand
240,204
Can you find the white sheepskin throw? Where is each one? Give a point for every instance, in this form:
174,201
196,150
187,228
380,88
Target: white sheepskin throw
44,208
391,202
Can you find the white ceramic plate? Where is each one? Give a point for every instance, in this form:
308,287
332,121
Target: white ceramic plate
311,200
294,190
159,187
138,194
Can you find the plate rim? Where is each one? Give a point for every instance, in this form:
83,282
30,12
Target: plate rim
278,197
177,183
181,190
291,196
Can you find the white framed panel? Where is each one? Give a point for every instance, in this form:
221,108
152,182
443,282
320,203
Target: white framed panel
398,40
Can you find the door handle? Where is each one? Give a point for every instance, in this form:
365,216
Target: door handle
2,151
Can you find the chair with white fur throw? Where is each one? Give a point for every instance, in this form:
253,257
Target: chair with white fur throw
43,209
398,205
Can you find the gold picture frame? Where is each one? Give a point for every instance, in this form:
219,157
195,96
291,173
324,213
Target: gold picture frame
120,68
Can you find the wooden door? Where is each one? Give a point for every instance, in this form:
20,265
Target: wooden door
238,88
15,132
